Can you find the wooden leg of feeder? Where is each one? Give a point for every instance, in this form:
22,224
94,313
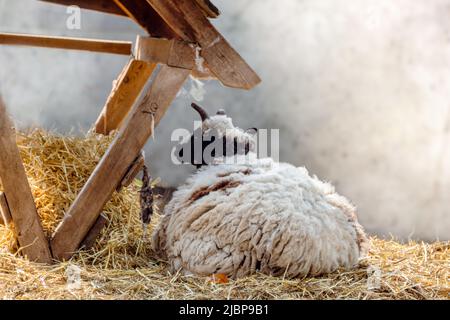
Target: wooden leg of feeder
130,140
20,200
125,91
5,216
94,232
132,172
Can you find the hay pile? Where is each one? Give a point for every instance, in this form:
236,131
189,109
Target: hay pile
120,266
57,168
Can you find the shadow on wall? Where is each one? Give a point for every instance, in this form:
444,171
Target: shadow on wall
357,89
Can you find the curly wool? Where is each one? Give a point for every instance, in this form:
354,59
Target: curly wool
260,216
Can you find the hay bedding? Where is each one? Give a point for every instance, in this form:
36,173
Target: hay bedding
121,266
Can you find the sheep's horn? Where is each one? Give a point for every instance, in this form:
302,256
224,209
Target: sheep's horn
203,114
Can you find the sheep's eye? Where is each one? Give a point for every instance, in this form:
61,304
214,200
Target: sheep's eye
221,112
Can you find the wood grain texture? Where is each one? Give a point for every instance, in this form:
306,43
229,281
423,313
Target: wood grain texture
174,53
143,14
208,8
20,200
188,21
125,91
113,166
83,44
105,6
5,213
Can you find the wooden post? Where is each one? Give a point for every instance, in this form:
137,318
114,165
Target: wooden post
20,200
125,91
5,213
130,140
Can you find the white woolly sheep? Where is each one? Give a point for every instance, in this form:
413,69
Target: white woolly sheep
260,216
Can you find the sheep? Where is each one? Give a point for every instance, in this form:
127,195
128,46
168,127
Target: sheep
256,216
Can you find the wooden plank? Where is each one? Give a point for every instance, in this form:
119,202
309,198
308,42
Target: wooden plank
124,93
105,6
188,21
132,172
83,44
5,213
94,232
123,150
174,53
20,200
208,8
108,6
143,14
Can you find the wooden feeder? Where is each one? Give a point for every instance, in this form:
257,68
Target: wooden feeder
183,41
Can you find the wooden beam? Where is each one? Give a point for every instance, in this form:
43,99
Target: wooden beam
105,6
126,90
5,213
208,8
174,53
132,172
94,232
20,200
94,45
130,140
143,14
188,21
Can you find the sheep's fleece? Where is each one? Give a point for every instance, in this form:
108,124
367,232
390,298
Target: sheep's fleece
260,216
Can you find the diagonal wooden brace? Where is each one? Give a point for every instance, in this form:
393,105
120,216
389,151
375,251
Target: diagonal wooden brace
130,140
126,90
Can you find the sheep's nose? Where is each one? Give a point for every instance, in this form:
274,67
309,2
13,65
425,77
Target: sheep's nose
221,112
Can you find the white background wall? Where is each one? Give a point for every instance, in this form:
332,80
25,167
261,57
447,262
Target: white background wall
358,89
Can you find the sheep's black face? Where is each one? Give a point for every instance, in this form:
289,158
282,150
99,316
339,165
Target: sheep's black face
216,138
